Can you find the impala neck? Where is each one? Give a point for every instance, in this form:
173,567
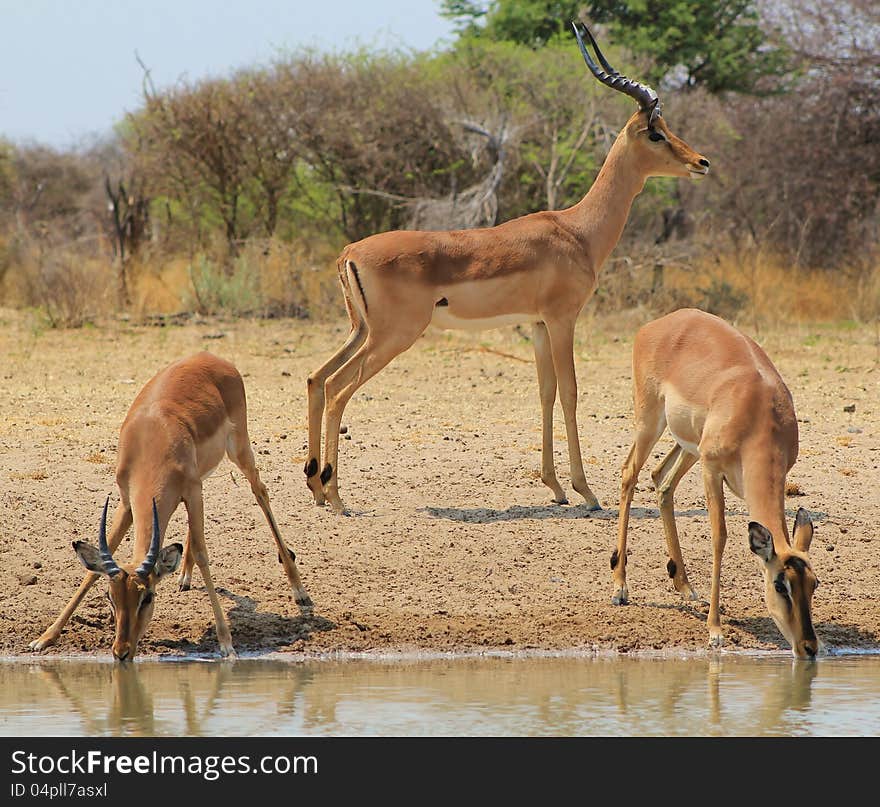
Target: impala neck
764,482
601,215
142,512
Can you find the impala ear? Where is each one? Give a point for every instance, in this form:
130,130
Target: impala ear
802,531
90,557
761,541
168,560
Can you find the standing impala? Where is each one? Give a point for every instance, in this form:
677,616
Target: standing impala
175,434
541,268
725,404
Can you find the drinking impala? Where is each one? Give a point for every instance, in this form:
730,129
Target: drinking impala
175,434
726,405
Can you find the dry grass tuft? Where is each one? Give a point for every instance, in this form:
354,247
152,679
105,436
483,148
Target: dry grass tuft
18,476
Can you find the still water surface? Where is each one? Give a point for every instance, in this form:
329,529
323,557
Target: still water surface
716,695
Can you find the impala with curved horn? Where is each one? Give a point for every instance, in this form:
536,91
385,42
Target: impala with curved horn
175,434
541,268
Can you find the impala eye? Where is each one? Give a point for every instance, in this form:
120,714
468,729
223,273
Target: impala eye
655,136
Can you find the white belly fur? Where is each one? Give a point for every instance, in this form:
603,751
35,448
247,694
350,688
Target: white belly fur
691,448
212,451
443,319
684,420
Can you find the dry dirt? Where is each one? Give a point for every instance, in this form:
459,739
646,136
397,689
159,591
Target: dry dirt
453,544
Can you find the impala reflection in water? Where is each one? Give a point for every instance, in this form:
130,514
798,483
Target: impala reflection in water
490,696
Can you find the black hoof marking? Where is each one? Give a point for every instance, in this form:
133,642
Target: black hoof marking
311,468
289,552
305,603
326,473
671,568
614,558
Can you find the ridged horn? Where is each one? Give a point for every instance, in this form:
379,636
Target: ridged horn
106,558
149,563
646,97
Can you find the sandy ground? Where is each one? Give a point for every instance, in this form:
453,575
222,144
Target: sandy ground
453,544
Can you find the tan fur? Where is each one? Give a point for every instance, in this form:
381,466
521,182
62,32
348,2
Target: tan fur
725,404
175,433
542,267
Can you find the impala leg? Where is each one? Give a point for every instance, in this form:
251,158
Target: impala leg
121,522
195,514
184,581
374,354
547,390
242,455
562,350
315,387
638,454
712,482
668,473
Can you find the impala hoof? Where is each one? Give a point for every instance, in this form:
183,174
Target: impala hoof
621,597
687,592
338,508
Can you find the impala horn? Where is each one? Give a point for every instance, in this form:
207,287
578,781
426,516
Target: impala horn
146,568
646,97
106,558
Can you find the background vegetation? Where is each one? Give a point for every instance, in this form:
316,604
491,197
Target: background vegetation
234,194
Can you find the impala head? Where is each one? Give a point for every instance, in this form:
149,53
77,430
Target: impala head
132,590
789,583
658,152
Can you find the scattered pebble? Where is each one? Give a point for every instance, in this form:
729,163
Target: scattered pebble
27,579
849,408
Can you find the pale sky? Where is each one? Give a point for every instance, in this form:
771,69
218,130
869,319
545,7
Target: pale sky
68,70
